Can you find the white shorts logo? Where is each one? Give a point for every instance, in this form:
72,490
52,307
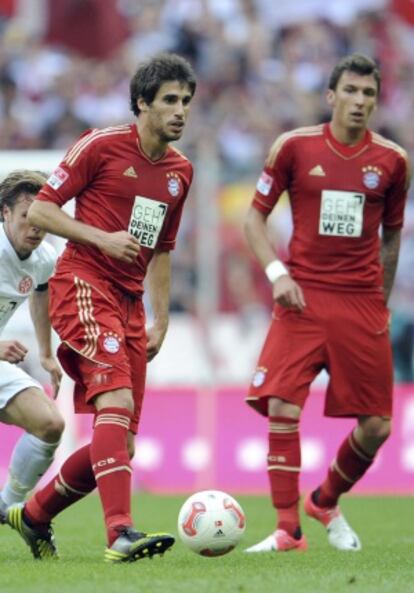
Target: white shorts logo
342,213
147,218
57,178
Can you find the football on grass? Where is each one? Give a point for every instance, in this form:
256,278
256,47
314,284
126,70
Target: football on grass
211,523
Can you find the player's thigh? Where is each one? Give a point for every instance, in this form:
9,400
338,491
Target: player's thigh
136,341
292,356
90,321
88,316
33,411
360,358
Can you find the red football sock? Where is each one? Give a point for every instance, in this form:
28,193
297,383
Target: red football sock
110,464
350,465
74,481
283,464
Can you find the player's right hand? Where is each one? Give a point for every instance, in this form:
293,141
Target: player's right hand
120,245
288,293
12,351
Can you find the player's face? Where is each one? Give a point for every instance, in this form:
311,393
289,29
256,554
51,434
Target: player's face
23,236
353,100
167,114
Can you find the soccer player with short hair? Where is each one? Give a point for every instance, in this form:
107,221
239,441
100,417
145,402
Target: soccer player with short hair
130,186
345,182
26,263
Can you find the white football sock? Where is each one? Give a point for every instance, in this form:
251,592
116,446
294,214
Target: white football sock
30,459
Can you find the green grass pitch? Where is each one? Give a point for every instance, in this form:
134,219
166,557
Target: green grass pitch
385,565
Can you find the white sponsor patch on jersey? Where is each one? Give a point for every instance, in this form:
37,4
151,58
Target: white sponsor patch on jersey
147,218
7,306
341,214
264,184
57,178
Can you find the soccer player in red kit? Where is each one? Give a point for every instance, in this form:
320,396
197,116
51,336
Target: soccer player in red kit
344,183
130,187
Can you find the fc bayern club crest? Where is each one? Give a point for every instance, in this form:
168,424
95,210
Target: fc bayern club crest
173,184
111,342
371,176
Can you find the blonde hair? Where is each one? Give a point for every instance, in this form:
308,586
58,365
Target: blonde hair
19,182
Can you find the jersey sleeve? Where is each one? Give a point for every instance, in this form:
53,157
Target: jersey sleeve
276,175
393,217
77,169
169,235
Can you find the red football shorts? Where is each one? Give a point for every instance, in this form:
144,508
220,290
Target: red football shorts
103,338
346,334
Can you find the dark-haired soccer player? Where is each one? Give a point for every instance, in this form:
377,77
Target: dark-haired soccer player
344,183
130,187
26,263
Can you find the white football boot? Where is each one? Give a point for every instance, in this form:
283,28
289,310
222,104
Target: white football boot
280,541
340,534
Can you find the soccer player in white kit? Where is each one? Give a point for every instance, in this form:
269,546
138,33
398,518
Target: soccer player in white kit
25,267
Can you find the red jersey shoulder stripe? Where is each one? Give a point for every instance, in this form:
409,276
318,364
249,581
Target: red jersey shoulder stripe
179,153
381,141
385,143
297,133
79,147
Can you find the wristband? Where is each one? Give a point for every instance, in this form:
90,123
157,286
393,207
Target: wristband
274,270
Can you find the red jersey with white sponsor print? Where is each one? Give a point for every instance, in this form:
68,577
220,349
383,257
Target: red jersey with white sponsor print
340,196
117,187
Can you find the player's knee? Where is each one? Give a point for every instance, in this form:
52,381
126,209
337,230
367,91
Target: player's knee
131,444
280,407
51,428
377,428
131,450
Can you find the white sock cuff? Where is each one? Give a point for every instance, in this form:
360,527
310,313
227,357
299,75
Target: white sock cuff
39,444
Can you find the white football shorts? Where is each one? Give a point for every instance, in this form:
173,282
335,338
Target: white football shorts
13,379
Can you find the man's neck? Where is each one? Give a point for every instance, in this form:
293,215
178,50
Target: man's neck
150,144
347,136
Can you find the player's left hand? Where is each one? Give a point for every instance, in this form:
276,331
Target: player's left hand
155,338
50,364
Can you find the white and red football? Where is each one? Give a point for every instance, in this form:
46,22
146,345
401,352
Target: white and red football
211,523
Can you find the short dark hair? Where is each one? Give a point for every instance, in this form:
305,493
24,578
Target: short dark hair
357,63
21,181
151,74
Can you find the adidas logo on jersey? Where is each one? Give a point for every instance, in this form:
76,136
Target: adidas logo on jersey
317,171
130,172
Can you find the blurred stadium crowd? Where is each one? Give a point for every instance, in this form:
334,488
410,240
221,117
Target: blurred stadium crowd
262,68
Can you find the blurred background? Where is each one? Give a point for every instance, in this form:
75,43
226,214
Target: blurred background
262,68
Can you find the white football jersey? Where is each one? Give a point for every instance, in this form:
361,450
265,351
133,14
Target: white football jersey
19,278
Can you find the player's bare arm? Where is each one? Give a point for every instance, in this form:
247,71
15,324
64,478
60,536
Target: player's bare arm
286,291
49,217
39,311
159,280
390,249
12,351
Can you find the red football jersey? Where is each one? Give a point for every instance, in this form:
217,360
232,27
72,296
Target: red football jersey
339,196
117,187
